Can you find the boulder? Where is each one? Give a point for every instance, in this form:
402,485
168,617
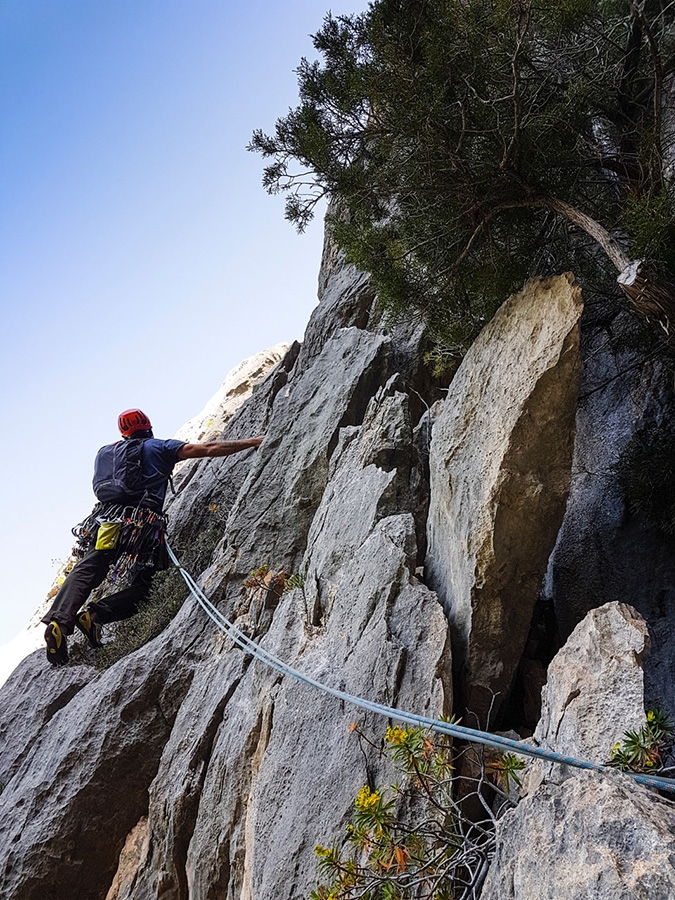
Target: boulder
594,692
500,465
580,835
595,837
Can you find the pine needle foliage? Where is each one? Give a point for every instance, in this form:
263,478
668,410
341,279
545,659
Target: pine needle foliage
461,139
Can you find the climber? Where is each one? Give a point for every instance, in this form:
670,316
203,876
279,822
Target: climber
124,532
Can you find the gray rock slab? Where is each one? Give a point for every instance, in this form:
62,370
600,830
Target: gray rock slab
346,299
271,516
83,784
592,838
594,692
602,553
30,698
500,465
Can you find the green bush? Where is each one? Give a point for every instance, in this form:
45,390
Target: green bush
415,838
166,597
645,749
469,145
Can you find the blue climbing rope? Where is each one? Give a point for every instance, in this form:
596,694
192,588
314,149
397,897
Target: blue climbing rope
461,732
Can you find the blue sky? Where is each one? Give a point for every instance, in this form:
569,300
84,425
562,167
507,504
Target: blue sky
139,257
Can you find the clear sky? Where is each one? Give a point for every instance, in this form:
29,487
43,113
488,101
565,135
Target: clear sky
139,257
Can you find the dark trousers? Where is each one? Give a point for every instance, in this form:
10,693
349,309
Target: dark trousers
87,575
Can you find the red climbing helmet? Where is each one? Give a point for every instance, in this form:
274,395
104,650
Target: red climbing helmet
133,420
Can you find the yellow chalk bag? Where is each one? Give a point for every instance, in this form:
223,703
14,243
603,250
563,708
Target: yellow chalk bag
108,535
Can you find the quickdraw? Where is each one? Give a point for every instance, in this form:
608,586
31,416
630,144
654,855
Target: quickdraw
141,535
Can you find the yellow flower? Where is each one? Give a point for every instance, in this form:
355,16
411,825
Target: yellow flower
396,735
650,715
367,800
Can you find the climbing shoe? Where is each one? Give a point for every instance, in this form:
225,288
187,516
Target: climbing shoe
90,627
57,648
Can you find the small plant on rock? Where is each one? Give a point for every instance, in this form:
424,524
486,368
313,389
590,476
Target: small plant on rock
264,578
645,749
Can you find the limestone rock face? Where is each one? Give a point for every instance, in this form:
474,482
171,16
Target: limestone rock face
603,554
237,387
186,769
128,862
500,464
190,771
581,835
270,754
591,838
31,699
595,690
61,808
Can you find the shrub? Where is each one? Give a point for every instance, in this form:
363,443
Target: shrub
463,142
166,597
415,838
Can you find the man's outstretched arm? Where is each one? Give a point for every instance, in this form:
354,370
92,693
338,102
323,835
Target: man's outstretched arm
217,448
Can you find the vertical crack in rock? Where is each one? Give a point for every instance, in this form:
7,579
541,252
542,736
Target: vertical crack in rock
274,509
603,552
176,791
125,880
261,736
217,855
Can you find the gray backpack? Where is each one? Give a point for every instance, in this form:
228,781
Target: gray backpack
118,472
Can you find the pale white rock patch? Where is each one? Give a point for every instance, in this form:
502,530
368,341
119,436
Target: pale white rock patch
583,835
237,387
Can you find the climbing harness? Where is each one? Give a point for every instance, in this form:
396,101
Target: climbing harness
137,532
460,732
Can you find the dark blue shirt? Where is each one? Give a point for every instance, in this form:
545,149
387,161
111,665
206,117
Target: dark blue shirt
159,458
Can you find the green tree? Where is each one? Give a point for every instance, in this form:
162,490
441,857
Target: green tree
464,141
